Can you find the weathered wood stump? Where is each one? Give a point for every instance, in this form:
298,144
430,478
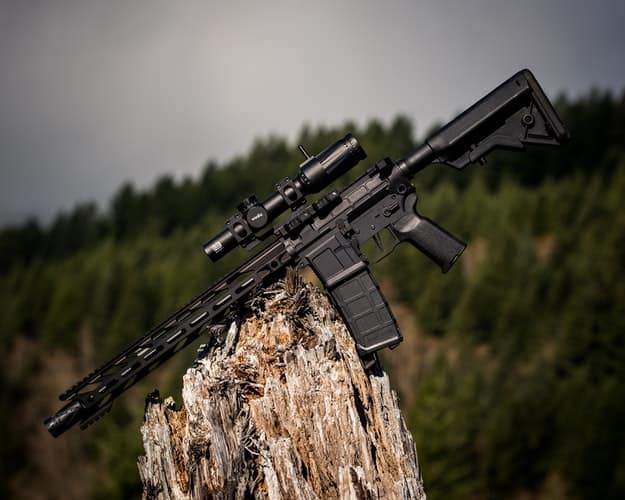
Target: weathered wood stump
279,408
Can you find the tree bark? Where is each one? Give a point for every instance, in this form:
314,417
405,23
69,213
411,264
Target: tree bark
280,407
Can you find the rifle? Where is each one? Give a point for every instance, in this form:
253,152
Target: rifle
327,235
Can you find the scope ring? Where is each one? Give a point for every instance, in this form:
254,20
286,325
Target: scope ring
290,192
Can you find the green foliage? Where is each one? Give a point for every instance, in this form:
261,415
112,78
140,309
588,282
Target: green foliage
171,205
546,305
445,424
520,381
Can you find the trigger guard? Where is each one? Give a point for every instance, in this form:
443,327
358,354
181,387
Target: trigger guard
410,202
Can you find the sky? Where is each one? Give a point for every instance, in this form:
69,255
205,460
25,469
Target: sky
93,94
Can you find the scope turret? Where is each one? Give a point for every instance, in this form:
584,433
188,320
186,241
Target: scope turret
313,175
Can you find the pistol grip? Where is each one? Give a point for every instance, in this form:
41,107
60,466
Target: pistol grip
424,234
346,276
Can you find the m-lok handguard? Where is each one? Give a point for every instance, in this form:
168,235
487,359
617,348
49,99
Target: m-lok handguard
327,236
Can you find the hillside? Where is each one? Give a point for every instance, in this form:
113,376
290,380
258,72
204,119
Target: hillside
510,374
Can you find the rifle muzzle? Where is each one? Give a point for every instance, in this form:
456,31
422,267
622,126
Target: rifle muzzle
63,419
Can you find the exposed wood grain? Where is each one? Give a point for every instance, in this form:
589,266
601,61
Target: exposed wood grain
281,408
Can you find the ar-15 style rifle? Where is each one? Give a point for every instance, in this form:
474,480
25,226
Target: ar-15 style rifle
327,236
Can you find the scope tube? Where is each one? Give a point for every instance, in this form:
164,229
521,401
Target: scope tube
313,175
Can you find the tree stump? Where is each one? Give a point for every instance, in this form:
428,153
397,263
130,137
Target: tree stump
280,407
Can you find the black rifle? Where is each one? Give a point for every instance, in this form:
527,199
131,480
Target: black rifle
327,235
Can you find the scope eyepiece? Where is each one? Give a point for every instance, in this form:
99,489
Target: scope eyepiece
319,171
313,175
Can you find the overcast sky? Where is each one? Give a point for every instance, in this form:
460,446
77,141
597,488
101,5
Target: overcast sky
96,93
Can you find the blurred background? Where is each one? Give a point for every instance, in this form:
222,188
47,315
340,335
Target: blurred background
129,131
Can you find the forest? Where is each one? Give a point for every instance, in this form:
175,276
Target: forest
510,374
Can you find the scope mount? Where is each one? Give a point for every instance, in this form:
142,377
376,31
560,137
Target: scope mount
291,192
252,215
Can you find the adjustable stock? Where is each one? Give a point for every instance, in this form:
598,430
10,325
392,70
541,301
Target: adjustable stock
515,114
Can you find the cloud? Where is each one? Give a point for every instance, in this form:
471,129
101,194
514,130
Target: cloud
95,93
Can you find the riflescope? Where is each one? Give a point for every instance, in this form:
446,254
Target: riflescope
313,175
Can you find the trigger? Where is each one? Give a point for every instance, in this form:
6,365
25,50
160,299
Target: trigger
387,253
378,242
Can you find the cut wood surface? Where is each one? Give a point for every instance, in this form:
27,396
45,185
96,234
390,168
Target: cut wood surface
280,407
